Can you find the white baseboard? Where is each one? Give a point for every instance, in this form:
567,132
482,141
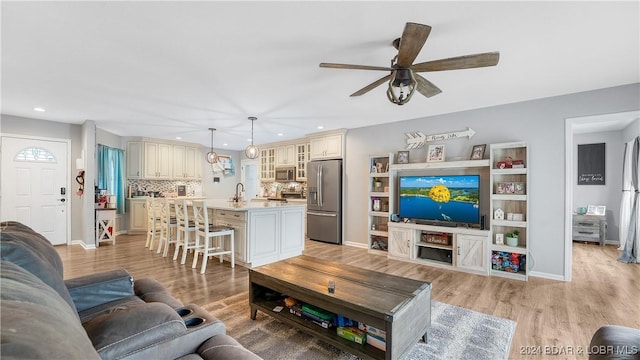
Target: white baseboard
83,244
355,244
546,276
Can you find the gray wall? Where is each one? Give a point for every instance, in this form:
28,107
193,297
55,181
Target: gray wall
539,122
226,188
609,194
631,131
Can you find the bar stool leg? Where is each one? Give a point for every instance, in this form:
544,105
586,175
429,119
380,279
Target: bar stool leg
178,244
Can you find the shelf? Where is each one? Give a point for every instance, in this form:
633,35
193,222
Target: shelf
520,275
509,197
509,171
520,224
378,252
379,214
435,246
511,249
379,233
380,175
441,165
378,194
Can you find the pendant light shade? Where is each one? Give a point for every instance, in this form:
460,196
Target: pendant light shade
252,151
212,156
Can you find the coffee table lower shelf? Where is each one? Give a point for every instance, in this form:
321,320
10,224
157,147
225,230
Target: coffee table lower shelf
327,335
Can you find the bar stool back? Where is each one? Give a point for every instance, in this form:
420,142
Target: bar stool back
185,228
168,226
153,221
210,239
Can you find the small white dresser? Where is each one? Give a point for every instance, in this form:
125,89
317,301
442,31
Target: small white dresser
105,226
589,228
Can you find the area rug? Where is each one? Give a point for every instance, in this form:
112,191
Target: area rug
455,333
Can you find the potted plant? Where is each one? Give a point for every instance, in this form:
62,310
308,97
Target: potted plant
512,238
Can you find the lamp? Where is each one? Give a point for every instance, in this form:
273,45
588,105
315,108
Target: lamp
252,151
401,86
212,157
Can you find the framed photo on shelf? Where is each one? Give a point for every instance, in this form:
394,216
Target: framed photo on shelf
499,239
477,152
403,157
596,210
435,153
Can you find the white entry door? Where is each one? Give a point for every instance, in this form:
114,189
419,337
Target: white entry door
33,185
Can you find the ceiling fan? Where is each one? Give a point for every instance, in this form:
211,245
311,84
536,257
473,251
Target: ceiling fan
403,78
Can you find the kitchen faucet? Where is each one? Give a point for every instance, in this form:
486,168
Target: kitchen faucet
237,198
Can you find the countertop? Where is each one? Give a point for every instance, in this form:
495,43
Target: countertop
222,204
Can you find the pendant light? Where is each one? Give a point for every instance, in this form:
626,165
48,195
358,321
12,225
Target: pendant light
252,151
212,157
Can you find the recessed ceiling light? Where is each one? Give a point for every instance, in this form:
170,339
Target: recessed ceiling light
248,139
38,109
178,138
280,134
225,144
320,127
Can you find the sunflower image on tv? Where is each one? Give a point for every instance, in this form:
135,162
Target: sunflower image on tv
440,193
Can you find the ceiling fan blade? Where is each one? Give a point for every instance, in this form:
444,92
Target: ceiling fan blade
411,42
372,86
426,87
356,67
459,62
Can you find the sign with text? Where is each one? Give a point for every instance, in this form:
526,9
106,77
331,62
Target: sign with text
591,163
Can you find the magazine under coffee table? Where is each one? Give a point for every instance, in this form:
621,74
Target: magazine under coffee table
400,306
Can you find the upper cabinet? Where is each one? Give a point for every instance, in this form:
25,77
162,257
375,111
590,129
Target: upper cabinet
155,160
286,155
268,164
328,146
134,160
302,156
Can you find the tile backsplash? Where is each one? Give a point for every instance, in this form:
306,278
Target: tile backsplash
194,188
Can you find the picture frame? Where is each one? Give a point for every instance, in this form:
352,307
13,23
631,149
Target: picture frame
499,239
596,210
403,157
506,188
477,152
435,153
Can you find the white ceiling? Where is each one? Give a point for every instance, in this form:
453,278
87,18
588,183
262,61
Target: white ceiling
167,69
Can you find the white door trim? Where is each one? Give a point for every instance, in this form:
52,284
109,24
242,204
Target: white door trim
68,184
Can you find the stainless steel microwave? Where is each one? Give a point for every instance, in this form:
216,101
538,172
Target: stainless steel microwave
286,173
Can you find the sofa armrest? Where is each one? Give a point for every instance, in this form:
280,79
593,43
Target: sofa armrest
97,289
225,347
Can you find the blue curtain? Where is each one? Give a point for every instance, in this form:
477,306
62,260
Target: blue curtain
111,173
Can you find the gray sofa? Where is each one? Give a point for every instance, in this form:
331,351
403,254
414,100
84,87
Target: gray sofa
106,315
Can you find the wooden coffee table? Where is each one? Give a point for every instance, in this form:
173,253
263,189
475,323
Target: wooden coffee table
400,306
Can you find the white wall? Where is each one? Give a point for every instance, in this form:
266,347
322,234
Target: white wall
609,194
539,122
226,188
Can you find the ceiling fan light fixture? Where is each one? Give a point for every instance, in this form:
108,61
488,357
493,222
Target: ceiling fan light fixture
401,86
212,156
252,151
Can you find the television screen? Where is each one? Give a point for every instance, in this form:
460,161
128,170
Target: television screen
452,199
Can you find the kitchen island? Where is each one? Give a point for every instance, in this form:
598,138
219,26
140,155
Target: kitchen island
265,232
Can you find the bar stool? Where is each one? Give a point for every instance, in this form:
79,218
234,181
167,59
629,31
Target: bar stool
184,229
168,226
153,221
210,238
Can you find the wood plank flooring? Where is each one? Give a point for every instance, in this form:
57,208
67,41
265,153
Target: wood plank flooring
553,317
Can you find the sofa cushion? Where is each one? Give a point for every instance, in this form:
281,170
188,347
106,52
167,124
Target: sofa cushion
615,342
29,250
225,347
36,322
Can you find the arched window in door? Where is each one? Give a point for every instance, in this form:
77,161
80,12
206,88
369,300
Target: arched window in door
35,154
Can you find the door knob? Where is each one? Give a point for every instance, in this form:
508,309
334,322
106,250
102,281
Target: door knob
63,200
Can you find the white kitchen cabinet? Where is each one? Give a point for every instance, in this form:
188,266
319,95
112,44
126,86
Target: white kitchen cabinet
471,251
134,159
137,219
268,164
286,155
400,242
263,232
302,157
236,220
326,147
292,224
199,164
157,161
184,162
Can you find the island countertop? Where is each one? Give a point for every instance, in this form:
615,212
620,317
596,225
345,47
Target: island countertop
222,204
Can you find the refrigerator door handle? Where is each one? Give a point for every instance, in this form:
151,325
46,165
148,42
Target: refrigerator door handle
321,214
319,180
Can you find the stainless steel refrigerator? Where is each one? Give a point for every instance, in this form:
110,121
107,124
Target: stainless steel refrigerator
324,201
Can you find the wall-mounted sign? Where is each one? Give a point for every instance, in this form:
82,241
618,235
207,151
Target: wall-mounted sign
416,139
591,164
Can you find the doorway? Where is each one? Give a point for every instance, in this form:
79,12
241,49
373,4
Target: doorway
573,126
249,177
35,185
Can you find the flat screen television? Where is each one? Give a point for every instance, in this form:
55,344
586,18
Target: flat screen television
441,200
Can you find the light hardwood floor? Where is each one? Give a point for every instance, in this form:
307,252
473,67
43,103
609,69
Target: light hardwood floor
553,317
